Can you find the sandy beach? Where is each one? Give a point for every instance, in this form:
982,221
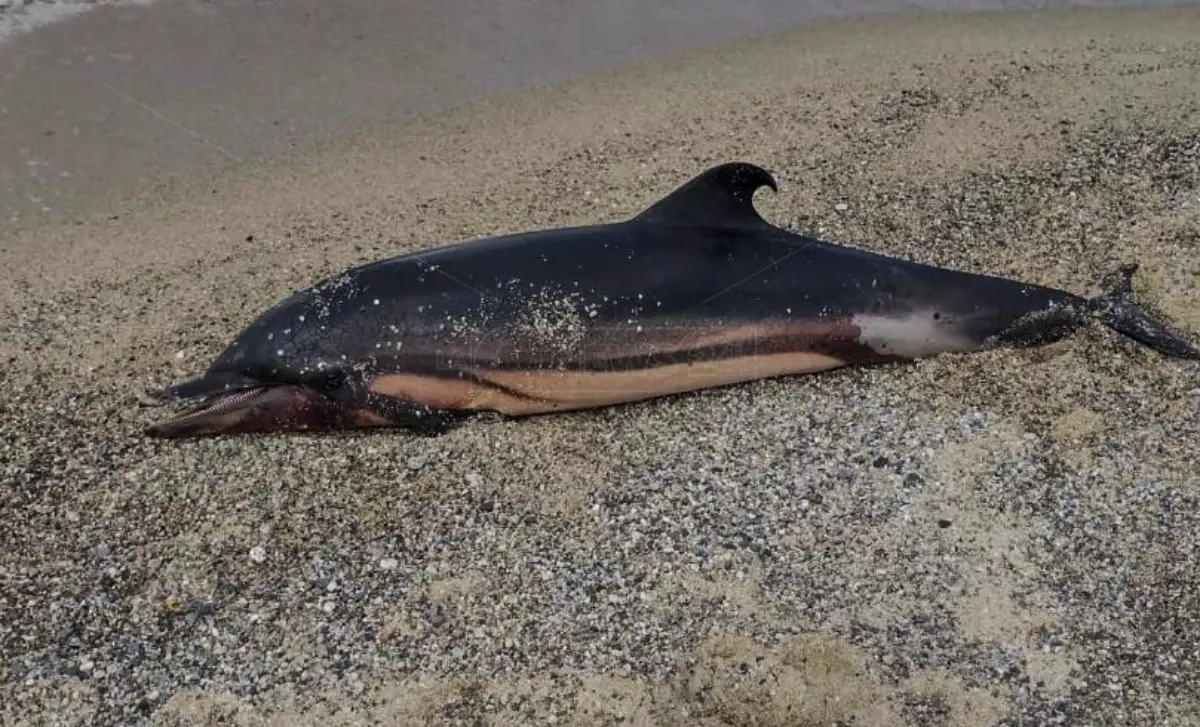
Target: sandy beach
1009,538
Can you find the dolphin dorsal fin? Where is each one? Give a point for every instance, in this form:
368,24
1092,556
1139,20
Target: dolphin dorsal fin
722,196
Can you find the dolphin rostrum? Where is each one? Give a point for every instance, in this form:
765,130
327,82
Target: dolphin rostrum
696,291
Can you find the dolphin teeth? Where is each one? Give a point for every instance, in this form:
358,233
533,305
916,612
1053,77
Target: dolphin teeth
222,402
215,404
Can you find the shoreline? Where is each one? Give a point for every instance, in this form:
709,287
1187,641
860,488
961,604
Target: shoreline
125,126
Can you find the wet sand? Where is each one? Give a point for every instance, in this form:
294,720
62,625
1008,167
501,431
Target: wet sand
1005,538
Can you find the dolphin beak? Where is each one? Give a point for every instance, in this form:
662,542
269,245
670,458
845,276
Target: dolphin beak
222,413
265,408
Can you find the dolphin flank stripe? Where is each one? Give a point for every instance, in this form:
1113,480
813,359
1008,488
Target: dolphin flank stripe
546,391
696,291
837,336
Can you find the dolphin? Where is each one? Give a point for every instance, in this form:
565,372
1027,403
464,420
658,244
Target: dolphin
696,291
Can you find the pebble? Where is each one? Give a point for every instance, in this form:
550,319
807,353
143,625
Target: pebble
435,614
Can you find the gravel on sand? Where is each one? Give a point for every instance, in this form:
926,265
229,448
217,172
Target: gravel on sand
1005,538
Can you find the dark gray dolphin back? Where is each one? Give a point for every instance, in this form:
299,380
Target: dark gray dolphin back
400,307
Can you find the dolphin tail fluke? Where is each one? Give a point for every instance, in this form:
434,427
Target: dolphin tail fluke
210,384
1117,309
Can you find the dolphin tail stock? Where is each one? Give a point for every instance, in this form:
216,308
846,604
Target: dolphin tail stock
1117,309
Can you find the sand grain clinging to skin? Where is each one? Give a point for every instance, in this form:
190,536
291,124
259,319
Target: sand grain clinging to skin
1001,538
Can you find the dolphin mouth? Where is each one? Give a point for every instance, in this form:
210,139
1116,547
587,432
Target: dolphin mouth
219,412
208,387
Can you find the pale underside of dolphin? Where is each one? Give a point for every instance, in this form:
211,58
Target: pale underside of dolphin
696,292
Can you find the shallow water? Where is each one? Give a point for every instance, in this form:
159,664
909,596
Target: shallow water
101,104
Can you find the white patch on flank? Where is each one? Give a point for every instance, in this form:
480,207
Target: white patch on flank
913,335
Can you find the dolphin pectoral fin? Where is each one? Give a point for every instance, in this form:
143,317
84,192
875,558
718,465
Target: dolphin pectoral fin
722,196
1118,310
418,418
